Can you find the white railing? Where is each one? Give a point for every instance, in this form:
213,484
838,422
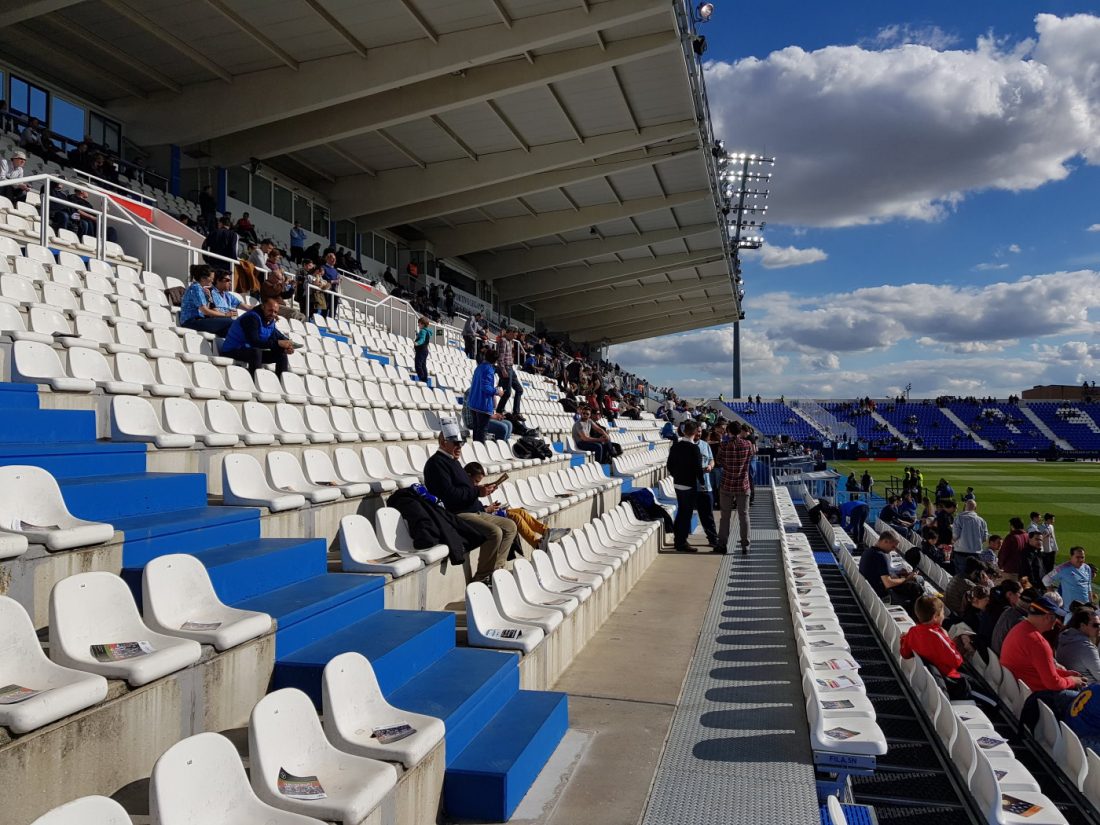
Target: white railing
825,420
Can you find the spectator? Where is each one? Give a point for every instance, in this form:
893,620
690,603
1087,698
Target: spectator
588,435
221,294
874,566
945,519
1010,558
970,573
851,486
1077,644
853,516
704,503
331,276
483,390
992,550
420,348
31,138
510,350
1033,560
530,529
969,494
258,255
685,465
246,229
866,482
969,533
1073,579
1012,616
297,242
1050,543
223,242
735,459
11,173
253,339
449,301
198,309
1026,654
975,603
208,210
470,332
930,642
447,480
891,516
7,122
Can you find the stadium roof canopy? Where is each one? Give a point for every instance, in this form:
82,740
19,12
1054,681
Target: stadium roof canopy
560,147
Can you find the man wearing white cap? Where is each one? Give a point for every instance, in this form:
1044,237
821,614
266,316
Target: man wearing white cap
447,480
12,170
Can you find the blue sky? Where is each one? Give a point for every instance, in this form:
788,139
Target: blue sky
937,178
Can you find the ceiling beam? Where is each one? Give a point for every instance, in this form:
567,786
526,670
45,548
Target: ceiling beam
505,18
507,123
565,112
19,11
402,148
352,159
455,139
338,27
244,25
543,284
420,19
476,237
538,182
111,51
397,187
507,264
428,98
331,80
623,294
163,35
318,171
88,67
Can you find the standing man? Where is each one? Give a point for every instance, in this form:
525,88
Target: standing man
685,465
420,348
331,275
297,242
735,458
446,479
704,503
1050,543
222,241
509,349
1073,578
208,210
969,533
469,334
253,339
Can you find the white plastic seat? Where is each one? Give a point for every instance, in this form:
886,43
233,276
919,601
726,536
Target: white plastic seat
258,419
92,609
134,419
135,369
32,506
201,779
350,467
89,364
389,429
394,535
178,599
511,604
88,810
566,569
14,328
289,420
268,388
61,690
36,363
550,580
403,422
238,380
987,793
533,592
361,552
342,422
376,467
284,734
316,390
284,473
318,421
319,470
486,627
354,708
244,484
294,388
183,417
222,417
211,377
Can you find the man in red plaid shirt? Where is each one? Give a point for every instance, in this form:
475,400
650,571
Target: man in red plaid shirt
735,459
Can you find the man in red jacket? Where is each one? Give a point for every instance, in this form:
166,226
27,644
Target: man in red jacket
1026,654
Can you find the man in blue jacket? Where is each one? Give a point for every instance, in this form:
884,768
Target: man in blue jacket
481,395
253,339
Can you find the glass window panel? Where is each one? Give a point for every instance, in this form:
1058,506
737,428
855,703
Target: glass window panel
261,193
284,203
391,255
320,221
303,211
19,96
39,102
238,184
67,119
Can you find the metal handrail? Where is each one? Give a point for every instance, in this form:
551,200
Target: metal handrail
103,183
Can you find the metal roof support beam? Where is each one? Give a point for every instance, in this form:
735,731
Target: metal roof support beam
507,123
305,164
401,147
18,11
398,187
507,190
476,237
329,81
682,323
114,53
282,54
577,303
338,27
169,39
565,112
544,284
73,58
504,17
420,19
428,98
350,158
455,139
506,264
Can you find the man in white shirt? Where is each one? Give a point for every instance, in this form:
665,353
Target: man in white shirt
12,170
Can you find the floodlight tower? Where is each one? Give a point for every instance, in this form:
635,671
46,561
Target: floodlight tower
746,213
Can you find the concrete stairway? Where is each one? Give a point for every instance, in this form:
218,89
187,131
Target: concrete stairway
1042,427
809,420
498,736
958,422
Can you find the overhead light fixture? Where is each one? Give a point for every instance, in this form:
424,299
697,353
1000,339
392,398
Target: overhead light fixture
703,12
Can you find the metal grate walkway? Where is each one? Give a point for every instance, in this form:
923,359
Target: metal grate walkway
738,749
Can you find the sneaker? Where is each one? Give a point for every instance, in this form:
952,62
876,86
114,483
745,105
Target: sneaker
556,534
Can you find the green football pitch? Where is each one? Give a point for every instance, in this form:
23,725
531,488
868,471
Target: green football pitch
1012,488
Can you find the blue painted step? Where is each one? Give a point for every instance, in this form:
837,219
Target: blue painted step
184,531
105,498
252,568
464,688
399,643
491,776
49,426
18,396
77,460
312,609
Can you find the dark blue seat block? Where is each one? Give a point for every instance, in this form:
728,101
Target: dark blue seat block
398,643
465,689
184,531
104,498
76,460
28,425
312,609
18,396
490,777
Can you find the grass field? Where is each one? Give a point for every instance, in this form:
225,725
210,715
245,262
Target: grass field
1006,489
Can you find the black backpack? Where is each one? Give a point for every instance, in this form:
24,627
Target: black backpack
527,447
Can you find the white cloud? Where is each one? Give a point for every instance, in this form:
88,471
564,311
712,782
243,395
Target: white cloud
868,135
900,34
986,267
1014,248
1094,228
781,257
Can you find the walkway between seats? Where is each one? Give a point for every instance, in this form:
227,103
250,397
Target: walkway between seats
738,750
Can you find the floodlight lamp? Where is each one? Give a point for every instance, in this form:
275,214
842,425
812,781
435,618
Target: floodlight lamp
703,12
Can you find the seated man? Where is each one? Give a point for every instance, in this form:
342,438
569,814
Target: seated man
1026,654
11,174
590,436
447,480
1077,649
531,530
253,339
874,566
196,308
221,294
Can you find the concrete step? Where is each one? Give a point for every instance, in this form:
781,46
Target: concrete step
105,498
490,777
399,643
310,610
